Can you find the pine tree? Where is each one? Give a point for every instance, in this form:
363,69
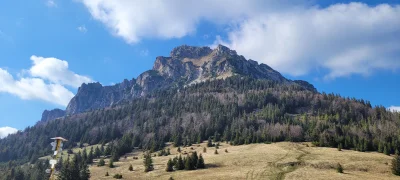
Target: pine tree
204,150
169,166
148,162
226,150
130,167
101,162
179,165
339,168
179,149
200,162
168,151
386,151
396,165
84,172
107,174
90,156
115,155
193,160
216,151
97,152
209,142
340,147
111,164
188,163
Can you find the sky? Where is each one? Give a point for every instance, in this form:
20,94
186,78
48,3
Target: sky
48,48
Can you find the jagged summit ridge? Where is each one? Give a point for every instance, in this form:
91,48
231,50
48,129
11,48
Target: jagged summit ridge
185,66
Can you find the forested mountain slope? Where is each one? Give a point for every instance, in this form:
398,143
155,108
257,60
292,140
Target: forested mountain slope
236,102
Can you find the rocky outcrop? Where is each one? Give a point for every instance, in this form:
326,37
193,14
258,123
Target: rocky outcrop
94,96
185,66
52,114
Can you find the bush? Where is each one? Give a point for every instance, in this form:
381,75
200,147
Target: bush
226,150
339,168
118,176
130,168
101,162
111,164
396,165
216,152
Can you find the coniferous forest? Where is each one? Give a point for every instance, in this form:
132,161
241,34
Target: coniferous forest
239,110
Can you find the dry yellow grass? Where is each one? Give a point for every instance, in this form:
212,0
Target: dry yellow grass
260,161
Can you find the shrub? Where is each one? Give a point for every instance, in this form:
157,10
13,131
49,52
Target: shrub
339,168
118,176
396,165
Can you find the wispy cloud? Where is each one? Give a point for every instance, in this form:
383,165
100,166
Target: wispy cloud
51,3
82,29
5,131
144,52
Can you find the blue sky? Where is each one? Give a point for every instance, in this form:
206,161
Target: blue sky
50,46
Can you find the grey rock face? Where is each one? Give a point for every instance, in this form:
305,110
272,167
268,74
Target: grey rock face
52,114
185,66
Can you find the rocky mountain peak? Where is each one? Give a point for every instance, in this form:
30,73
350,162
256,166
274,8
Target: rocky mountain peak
186,51
52,114
186,65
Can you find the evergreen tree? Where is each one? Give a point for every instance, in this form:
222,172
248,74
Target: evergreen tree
386,151
169,166
340,147
179,149
204,150
90,156
111,164
193,160
209,142
396,165
101,162
216,151
179,165
115,155
188,163
130,167
200,162
226,150
84,172
107,174
148,162
97,152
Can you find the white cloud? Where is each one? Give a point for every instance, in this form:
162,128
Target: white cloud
82,29
45,81
343,39
134,20
56,71
144,52
394,108
34,88
51,3
5,131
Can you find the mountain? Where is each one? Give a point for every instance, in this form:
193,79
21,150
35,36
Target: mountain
199,93
52,114
186,65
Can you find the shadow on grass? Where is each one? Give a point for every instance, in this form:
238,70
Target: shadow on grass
213,165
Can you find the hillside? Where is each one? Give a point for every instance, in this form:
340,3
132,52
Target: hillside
199,93
260,161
